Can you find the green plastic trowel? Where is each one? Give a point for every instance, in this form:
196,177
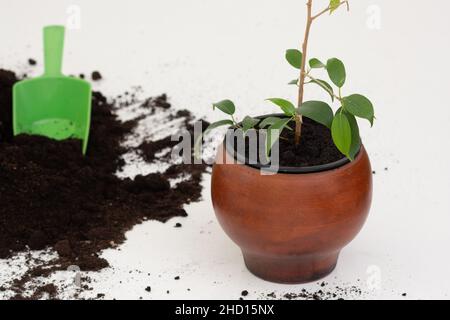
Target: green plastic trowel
53,105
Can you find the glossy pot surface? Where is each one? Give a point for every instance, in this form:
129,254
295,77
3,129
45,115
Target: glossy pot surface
292,227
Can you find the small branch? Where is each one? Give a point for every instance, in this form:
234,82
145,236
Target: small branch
339,98
328,9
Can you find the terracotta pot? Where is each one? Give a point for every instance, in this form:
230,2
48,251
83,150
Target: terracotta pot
292,226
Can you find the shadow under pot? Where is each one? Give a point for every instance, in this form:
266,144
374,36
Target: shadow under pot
291,226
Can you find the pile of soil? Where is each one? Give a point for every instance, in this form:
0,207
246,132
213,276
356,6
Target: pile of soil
53,197
7,79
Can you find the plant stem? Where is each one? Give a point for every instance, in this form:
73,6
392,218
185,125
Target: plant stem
299,118
298,128
235,122
303,74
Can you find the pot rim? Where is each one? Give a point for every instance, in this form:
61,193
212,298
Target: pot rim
287,170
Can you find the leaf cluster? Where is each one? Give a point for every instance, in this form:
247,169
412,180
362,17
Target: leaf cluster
342,123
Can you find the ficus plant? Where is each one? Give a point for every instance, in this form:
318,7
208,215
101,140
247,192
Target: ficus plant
342,123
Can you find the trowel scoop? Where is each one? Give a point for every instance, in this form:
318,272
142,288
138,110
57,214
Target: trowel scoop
53,105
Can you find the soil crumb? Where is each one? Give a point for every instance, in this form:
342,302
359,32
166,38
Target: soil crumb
96,76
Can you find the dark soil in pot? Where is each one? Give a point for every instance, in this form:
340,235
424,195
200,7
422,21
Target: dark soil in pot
316,151
53,197
316,147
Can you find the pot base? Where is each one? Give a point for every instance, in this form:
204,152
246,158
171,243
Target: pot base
293,269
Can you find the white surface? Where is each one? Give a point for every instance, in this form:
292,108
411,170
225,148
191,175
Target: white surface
200,51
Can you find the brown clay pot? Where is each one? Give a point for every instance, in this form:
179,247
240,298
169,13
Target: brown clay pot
292,227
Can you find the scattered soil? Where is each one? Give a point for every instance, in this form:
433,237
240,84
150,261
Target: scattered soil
53,197
316,147
50,289
326,292
32,62
161,101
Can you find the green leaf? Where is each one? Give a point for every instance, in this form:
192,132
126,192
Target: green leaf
287,107
294,57
274,132
316,63
360,107
326,86
334,4
268,122
342,133
294,82
249,123
336,72
318,111
226,106
356,139
211,127
218,124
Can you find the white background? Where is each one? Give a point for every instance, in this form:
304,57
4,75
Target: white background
201,51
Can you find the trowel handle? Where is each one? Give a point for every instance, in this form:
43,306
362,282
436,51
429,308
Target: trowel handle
53,50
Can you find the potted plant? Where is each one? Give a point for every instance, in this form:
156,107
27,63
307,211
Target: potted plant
291,225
